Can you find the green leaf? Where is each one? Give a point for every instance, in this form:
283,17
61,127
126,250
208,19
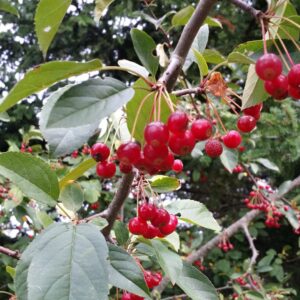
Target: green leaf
141,90
213,22
48,17
125,274
195,284
78,171
6,6
292,218
11,271
183,16
198,44
229,159
32,175
124,63
44,218
240,58
121,232
283,188
70,265
72,196
254,91
99,222
144,47
100,7
173,240
63,120
213,56
169,261
193,212
4,117
268,164
164,184
45,75
202,65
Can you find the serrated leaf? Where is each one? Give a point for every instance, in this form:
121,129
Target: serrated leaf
195,284
63,120
229,159
125,274
144,47
198,44
193,212
48,17
268,164
240,58
45,75
100,7
183,16
32,175
202,65
78,171
121,232
169,261
6,6
164,184
74,261
71,196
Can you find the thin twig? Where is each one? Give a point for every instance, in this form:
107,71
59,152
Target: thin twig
11,253
247,8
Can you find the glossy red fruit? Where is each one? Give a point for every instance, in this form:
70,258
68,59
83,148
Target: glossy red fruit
147,211
268,66
202,129
95,205
253,111
294,92
125,169
213,148
232,139
167,164
156,133
246,123
177,166
277,88
151,232
156,155
178,121
162,218
170,227
129,296
100,152
137,226
128,153
294,76
106,169
182,143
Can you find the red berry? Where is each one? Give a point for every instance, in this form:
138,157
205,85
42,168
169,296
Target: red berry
162,218
232,139
182,143
177,166
277,88
100,152
129,153
294,76
129,296
106,169
202,129
137,226
126,169
74,153
167,164
213,148
170,227
294,92
178,121
151,232
145,165
156,155
95,205
268,66
147,211
156,133
253,111
246,123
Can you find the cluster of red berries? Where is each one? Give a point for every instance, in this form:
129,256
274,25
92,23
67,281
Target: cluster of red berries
238,169
25,148
85,151
225,245
241,281
152,222
279,86
199,265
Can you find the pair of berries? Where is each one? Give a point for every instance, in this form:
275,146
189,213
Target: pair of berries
225,246
269,68
152,222
152,279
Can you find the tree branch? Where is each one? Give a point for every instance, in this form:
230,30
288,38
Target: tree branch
11,253
185,42
247,8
